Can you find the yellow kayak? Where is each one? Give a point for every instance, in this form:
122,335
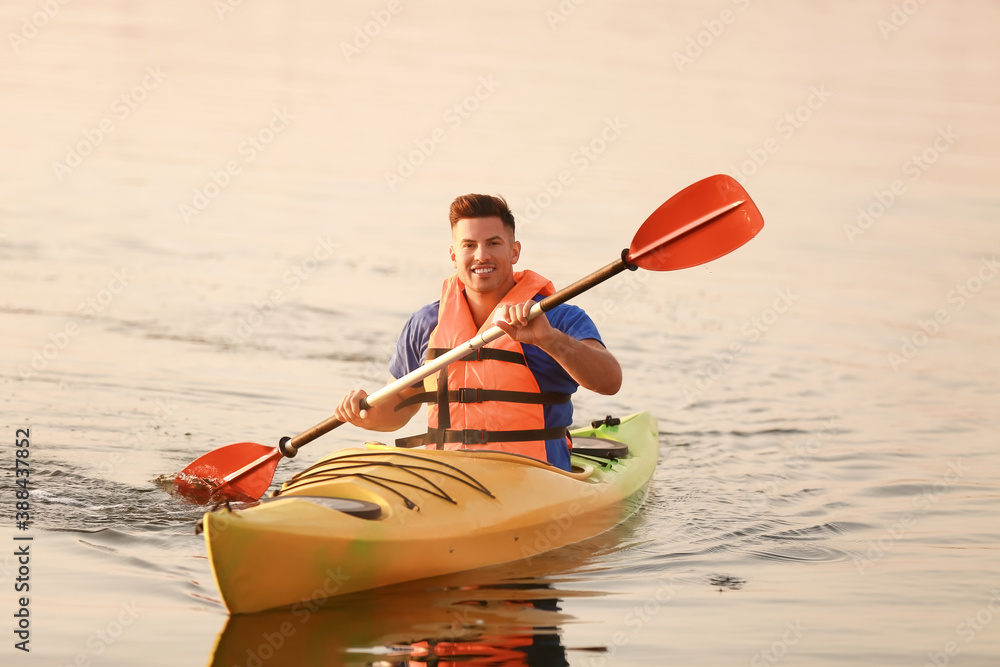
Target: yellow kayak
364,518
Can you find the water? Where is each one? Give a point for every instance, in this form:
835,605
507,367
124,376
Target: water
213,224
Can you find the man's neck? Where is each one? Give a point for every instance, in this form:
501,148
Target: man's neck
482,305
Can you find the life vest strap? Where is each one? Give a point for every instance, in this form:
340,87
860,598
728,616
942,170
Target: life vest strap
475,436
475,395
482,354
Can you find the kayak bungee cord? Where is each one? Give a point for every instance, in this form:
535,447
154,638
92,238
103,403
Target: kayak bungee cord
701,223
378,481
335,470
602,461
466,477
536,508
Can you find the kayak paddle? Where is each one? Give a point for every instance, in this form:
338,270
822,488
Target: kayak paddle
702,222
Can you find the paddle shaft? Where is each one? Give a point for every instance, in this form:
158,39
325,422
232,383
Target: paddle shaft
699,224
290,446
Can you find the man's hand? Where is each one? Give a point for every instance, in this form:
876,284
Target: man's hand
587,361
383,417
513,320
349,410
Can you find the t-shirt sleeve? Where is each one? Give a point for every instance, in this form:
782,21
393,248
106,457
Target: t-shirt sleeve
411,346
574,321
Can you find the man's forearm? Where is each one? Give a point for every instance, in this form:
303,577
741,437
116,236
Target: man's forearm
587,362
382,417
386,418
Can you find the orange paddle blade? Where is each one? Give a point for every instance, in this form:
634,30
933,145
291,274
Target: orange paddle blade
241,472
702,222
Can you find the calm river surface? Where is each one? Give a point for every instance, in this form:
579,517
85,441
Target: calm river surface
216,216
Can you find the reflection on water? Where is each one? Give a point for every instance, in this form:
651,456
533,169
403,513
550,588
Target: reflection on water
501,624
827,393
679,544
511,614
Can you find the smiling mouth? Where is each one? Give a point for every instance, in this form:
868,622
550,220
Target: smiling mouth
482,270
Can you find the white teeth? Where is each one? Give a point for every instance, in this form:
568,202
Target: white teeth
481,271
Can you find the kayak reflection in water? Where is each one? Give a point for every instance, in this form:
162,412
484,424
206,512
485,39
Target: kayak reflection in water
514,393
504,624
503,647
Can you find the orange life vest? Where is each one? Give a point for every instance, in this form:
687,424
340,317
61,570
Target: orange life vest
489,399
489,650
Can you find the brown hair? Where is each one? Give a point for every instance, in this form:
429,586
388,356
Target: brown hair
481,206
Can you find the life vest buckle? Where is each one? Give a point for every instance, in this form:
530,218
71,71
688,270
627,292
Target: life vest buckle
470,395
475,436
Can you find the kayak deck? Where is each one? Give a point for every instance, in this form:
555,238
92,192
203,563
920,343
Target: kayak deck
361,519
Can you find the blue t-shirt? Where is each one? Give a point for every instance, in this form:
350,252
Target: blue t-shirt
411,350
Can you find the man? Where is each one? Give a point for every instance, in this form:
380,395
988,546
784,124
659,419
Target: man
514,394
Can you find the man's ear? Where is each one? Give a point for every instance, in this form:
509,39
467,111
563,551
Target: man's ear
451,253
515,252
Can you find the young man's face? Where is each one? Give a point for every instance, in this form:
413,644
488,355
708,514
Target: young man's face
484,252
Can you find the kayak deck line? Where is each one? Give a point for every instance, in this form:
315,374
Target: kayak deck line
580,470
354,464
373,517
374,459
335,473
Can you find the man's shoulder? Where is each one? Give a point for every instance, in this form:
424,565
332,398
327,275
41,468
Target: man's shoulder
411,346
428,312
424,319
